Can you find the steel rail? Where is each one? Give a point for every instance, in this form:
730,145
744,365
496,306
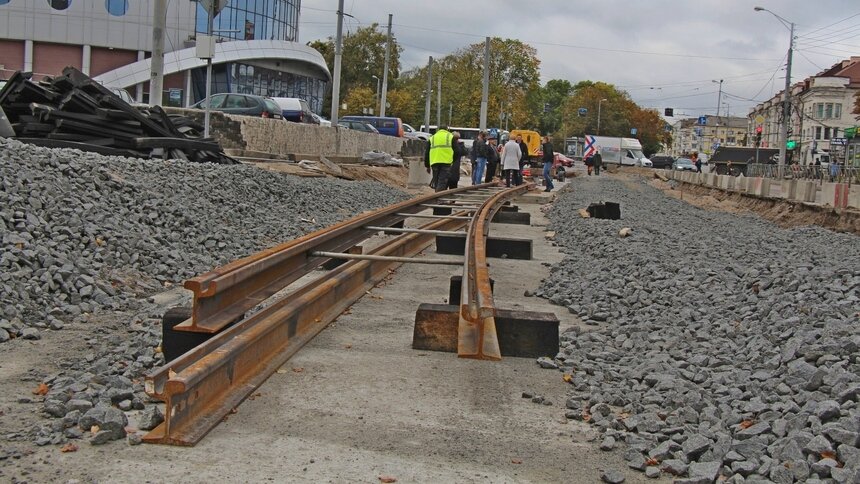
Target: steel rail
476,332
203,385
225,294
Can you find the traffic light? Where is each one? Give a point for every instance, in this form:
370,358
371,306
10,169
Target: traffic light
790,144
669,112
758,129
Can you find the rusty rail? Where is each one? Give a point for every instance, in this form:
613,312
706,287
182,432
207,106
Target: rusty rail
476,333
202,386
223,295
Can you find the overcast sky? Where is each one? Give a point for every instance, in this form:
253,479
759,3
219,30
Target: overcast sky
665,53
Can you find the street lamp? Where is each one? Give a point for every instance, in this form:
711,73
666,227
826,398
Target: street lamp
598,114
786,106
719,95
376,97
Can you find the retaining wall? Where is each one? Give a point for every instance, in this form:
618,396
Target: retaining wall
285,138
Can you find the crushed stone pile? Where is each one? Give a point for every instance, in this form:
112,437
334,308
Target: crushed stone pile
86,238
717,345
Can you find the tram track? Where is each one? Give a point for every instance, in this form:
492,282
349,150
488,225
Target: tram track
207,382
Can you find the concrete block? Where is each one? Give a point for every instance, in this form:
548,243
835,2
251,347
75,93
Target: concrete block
759,186
525,334
418,176
835,194
711,179
497,247
806,191
854,196
788,189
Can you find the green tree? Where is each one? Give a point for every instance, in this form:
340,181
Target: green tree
363,57
553,96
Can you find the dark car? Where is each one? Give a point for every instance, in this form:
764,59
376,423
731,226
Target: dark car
684,164
296,110
357,125
243,104
662,161
385,125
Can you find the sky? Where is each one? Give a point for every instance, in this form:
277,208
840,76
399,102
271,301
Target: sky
664,53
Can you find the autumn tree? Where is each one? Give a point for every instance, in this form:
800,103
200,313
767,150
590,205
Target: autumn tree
553,96
363,56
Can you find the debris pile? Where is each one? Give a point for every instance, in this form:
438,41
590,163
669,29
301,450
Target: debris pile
716,346
74,111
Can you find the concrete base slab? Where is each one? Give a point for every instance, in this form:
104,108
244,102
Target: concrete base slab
497,247
525,334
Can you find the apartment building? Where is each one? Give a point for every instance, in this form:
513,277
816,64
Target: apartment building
691,135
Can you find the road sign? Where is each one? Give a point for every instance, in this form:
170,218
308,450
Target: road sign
759,119
838,141
633,131
582,112
217,4
703,120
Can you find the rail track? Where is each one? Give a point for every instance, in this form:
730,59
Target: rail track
200,387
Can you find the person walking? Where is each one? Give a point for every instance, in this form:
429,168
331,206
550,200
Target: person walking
479,158
696,161
511,156
597,160
439,157
459,152
548,157
492,159
589,162
523,159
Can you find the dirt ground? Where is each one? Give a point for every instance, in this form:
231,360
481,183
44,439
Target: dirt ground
355,404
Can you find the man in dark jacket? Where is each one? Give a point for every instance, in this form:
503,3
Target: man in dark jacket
479,158
524,149
548,158
598,162
492,159
459,152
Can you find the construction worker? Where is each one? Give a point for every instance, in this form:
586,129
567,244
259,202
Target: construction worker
439,157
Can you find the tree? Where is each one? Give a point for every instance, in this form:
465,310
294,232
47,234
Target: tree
553,96
358,99
363,57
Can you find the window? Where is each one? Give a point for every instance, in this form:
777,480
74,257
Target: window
60,4
818,132
826,133
117,8
827,110
4,2
215,101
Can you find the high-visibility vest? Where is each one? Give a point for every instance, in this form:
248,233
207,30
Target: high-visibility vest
441,148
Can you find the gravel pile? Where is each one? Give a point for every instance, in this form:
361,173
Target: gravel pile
86,237
719,345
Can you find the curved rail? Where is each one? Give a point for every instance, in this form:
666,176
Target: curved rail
203,385
476,333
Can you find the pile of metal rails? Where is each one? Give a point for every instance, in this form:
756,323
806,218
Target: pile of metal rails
74,111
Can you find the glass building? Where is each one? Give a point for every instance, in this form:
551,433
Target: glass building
257,20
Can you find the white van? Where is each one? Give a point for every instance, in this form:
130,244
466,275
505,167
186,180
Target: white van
622,151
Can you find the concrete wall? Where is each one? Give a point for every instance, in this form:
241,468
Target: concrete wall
284,138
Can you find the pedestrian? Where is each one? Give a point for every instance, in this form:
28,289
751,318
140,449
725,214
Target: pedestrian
597,161
492,158
729,169
696,161
524,149
479,158
439,157
548,157
589,162
459,152
511,156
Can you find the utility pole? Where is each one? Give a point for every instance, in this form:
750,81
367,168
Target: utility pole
428,94
156,69
485,90
450,113
719,98
385,71
338,45
211,15
439,100
786,106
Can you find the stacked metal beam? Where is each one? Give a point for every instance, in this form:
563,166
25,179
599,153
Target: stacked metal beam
74,111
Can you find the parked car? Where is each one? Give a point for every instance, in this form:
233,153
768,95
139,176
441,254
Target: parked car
385,125
296,110
410,132
358,126
242,104
683,164
662,161
321,120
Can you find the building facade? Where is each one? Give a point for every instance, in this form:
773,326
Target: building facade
821,110
689,135
111,40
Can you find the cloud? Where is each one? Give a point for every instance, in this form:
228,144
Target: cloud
665,53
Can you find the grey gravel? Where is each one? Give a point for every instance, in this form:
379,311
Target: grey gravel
612,477
87,239
723,335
